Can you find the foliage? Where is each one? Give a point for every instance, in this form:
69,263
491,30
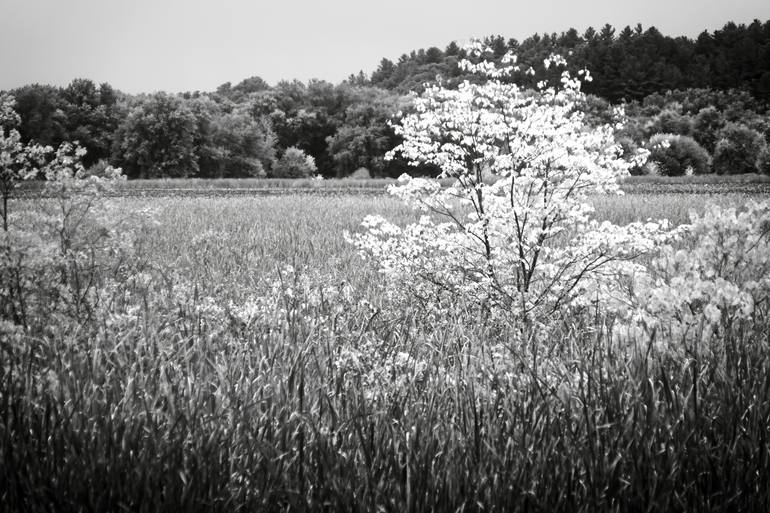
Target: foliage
718,282
305,115
156,139
92,115
294,163
629,149
763,160
241,91
630,64
230,141
55,263
80,112
664,82
677,155
244,147
41,109
17,160
737,149
703,112
670,121
361,173
706,125
365,136
522,246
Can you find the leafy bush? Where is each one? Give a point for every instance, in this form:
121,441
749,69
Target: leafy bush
360,173
707,124
294,163
629,148
722,278
763,161
100,168
737,150
670,121
677,155
761,124
58,261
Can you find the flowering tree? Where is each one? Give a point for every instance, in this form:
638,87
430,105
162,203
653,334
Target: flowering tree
513,233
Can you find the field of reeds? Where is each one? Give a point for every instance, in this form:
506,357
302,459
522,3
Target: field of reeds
243,357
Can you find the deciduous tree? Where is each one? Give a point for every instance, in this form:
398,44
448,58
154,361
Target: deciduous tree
157,139
513,235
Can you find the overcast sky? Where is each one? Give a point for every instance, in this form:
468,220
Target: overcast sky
186,45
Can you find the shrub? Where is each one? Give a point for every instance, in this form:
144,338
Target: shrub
677,155
762,125
671,121
707,124
629,149
737,150
720,279
58,260
294,163
361,173
100,168
763,161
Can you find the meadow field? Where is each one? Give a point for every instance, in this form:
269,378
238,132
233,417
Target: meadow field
307,230
243,357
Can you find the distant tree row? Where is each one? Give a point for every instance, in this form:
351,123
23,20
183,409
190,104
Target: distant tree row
698,106
700,131
630,64
236,131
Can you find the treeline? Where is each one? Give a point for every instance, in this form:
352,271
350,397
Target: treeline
698,131
699,106
626,65
251,129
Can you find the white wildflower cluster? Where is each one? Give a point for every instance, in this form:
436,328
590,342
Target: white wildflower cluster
294,294
716,272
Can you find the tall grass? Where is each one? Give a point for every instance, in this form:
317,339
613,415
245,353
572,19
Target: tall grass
176,402
297,225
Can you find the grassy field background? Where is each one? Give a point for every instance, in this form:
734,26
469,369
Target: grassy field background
217,379
243,237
